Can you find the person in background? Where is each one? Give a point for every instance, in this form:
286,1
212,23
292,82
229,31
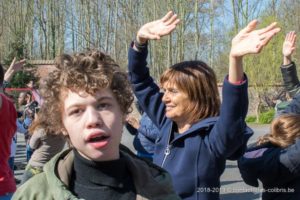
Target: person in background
289,73
145,133
196,134
288,67
275,160
87,99
44,143
24,102
21,128
8,116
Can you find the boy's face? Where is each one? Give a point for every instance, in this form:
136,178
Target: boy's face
94,124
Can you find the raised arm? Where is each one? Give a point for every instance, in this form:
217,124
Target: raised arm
156,29
288,47
13,68
248,41
230,134
145,89
288,67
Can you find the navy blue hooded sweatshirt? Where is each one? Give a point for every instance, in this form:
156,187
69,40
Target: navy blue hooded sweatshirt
195,159
278,169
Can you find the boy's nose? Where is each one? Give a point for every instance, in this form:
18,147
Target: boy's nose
93,118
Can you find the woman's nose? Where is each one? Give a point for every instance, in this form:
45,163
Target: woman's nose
165,97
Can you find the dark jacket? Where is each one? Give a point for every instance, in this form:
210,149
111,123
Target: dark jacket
278,170
148,133
292,85
196,159
290,79
151,182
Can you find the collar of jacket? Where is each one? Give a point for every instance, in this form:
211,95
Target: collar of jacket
151,181
205,124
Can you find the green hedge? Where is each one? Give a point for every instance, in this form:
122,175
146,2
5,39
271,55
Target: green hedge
266,117
263,118
250,119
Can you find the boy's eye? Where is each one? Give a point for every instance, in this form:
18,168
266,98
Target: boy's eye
75,111
104,105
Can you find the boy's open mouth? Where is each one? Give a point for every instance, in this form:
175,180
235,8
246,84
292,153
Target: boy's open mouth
98,138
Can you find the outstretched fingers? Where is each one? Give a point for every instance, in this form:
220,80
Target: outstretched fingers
167,16
172,20
267,29
13,62
268,36
22,61
250,27
291,37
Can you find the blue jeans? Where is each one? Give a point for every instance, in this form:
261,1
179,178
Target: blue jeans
29,153
8,196
11,163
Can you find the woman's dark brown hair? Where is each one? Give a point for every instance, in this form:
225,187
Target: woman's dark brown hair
198,81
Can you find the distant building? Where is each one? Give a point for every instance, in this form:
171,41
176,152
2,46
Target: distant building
42,67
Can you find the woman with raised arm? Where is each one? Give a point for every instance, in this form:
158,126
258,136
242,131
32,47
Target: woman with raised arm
196,134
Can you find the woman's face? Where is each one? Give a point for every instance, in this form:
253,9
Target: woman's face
177,103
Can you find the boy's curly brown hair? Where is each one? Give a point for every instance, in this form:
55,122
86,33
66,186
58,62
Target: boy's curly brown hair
89,71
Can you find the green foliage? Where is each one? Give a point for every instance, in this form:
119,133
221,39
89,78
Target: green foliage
17,49
250,119
20,79
263,69
266,117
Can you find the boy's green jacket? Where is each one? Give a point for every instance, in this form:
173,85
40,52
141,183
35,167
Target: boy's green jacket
151,181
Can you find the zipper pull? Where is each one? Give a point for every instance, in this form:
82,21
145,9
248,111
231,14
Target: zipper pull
167,152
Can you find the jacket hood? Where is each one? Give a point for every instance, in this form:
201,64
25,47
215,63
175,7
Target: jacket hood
249,164
207,124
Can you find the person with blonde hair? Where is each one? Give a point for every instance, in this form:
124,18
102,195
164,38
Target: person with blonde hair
274,160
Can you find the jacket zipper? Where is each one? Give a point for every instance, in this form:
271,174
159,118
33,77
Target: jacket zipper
167,150
166,153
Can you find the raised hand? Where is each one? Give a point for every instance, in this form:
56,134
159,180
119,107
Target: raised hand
13,68
251,41
17,66
156,29
248,41
289,44
134,122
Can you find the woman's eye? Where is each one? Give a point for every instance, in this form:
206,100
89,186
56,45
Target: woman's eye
173,91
